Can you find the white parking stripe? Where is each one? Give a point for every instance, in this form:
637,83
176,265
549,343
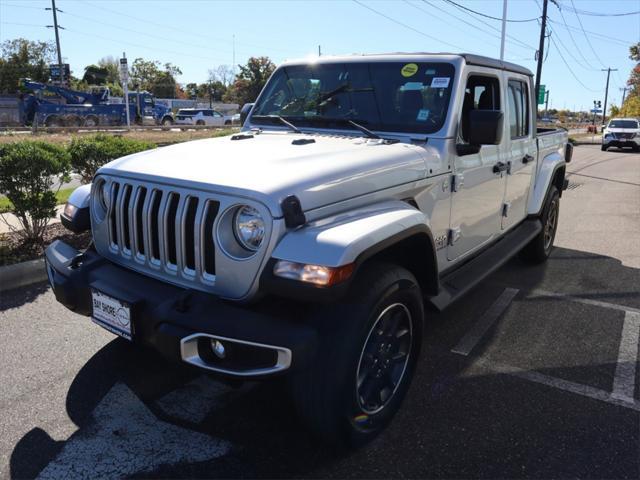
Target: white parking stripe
577,388
125,438
625,380
587,301
471,339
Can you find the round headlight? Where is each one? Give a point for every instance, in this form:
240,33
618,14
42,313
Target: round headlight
249,229
104,195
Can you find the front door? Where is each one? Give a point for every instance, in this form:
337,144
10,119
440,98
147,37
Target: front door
476,203
521,152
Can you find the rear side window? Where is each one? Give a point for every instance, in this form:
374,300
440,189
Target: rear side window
518,100
481,93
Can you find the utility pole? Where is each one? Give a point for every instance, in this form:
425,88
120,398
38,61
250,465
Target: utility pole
543,29
546,103
234,55
504,28
606,92
319,51
624,93
55,28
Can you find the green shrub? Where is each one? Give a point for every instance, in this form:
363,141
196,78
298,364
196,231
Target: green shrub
88,154
28,172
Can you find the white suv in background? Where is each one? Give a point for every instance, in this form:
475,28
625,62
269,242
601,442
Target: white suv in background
201,116
622,132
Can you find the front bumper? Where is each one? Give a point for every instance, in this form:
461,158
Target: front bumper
263,339
621,142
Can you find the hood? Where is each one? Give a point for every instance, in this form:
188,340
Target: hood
270,167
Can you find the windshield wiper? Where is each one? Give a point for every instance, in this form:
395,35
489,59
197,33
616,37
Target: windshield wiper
282,120
363,129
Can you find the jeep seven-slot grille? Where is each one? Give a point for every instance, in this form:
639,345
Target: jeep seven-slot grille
163,228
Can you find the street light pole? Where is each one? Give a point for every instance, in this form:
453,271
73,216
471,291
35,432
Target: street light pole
504,28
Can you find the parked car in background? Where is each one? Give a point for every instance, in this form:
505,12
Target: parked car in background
201,116
621,133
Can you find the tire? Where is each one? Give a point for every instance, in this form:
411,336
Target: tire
91,121
228,122
167,122
603,148
200,122
343,397
53,121
73,121
539,249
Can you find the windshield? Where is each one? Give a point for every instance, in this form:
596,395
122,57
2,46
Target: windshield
623,124
383,96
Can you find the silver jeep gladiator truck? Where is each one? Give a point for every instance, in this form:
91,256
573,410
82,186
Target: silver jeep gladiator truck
360,190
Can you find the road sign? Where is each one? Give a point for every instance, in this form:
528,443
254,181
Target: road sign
541,93
596,110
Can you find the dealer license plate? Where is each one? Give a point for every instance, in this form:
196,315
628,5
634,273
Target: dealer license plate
112,314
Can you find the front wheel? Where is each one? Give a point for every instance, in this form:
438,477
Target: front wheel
539,249
603,148
167,122
368,351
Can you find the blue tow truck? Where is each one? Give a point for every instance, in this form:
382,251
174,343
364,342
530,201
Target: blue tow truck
87,109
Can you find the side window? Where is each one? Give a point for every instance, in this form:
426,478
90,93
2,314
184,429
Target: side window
518,109
216,114
481,93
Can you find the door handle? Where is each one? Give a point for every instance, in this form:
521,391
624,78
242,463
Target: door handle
500,167
527,158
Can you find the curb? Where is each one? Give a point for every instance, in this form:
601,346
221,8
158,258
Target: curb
22,274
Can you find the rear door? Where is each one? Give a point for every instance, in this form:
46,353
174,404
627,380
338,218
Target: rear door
476,203
520,150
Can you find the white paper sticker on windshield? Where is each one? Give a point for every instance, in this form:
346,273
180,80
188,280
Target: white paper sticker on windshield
423,114
440,82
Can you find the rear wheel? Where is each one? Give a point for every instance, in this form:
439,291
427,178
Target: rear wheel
200,122
53,121
366,359
91,121
603,148
539,249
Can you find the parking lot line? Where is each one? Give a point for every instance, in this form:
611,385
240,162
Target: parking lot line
559,383
471,339
587,301
625,378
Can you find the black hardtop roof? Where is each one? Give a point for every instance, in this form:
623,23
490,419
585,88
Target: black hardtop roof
473,59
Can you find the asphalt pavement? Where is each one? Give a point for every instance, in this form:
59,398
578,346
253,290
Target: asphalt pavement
534,374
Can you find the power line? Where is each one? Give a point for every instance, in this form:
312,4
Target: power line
489,16
515,41
406,26
575,44
586,36
187,32
443,20
569,68
598,14
599,35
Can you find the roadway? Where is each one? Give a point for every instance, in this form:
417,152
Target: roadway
534,374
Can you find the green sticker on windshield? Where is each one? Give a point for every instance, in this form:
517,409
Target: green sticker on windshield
409,70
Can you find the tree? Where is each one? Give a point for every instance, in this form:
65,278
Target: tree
250,80
148,75
95,75
631,106
222,74
614,111
22,58
112,66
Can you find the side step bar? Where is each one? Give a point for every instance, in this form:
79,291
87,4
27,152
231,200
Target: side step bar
455,284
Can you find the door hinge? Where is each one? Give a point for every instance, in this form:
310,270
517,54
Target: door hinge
457,182
454,235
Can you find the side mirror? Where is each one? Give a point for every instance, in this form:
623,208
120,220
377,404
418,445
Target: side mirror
485,127
244,113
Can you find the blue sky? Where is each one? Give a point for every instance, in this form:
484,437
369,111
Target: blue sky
197,35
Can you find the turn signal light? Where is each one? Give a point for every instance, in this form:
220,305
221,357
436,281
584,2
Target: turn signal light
315,274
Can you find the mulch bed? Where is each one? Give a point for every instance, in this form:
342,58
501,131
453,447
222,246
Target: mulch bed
14,250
